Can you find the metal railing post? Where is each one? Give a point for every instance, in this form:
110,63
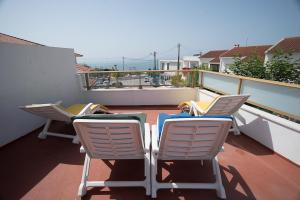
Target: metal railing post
87,82
201,79
193,79
140,82
239,86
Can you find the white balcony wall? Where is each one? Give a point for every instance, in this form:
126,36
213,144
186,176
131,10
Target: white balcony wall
33,74
278,134
146,96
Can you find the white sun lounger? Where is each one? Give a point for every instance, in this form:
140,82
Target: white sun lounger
189,139
222,105
113,139
57,112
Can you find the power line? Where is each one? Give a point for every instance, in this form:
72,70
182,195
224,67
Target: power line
167,51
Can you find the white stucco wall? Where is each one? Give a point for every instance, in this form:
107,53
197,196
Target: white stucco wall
146,96
33,74
278,134
294,56
172,64
225,62
205,60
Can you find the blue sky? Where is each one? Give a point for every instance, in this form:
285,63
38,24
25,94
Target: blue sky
109,29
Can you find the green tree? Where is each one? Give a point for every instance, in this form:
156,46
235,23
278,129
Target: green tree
177,81
283,68
203,67
252,66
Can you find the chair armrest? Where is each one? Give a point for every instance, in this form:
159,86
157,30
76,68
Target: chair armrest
58,102
147,137
82,150
196,109
86,110
154,139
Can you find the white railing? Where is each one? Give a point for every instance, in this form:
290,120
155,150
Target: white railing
139,79
280,98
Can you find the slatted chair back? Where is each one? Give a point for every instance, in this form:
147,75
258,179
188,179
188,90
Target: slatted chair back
48,111
226,105
193,138
111,139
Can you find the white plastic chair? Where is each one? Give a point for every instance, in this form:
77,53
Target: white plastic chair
222,105
189,139
58,113
113,139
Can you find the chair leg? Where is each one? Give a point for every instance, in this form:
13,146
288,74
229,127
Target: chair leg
220,188
85,173
76,139
148,173
153,176
43,134
235,127
214,170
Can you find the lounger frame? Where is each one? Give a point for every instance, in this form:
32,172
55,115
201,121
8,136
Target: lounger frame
186,133
223,105
105,132
54,112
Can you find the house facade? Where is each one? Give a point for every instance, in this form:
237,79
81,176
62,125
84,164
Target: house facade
211,59
287,45
185,62
227,58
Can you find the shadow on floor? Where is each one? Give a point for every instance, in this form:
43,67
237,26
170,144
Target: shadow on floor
178,171
28,160
235,184
248,144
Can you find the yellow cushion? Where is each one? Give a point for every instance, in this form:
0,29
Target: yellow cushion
75,109
202,104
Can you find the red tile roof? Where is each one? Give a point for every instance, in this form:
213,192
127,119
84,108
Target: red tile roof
213,54
82,68
15,40
215,60
247,51
288,45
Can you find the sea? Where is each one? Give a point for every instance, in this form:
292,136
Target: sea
144,65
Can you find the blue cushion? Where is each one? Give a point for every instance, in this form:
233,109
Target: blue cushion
162,117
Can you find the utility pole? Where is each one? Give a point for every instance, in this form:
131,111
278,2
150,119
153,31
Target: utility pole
154,55
123,58
178,57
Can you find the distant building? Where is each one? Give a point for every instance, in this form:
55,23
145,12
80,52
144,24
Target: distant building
227,58
186,62
211,59
190,62
169,64
287,45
